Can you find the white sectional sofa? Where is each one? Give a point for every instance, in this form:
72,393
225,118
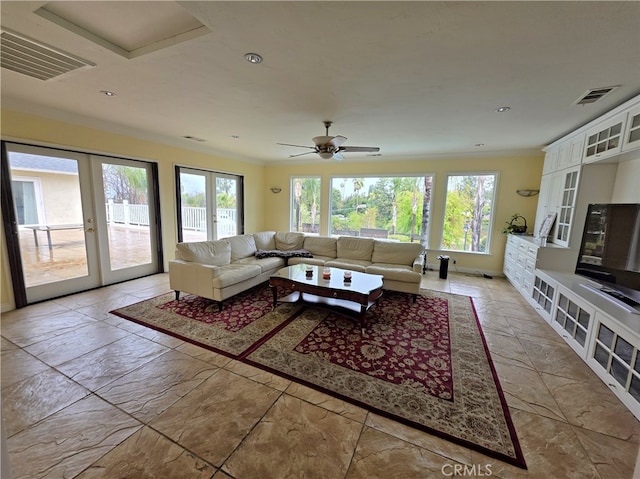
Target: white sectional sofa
220,269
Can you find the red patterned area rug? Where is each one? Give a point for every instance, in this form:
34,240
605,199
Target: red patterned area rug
245,319
425,364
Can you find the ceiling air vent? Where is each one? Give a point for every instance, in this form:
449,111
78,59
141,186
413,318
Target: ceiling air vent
37,60
594,95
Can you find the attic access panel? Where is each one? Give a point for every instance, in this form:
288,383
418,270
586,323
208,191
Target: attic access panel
130,29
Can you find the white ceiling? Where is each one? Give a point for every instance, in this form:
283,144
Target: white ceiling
418,79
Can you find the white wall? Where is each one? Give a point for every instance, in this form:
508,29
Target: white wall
626,188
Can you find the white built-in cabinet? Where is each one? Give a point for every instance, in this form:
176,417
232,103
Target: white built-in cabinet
605,140
614,357
632,131
580,169
572,318
604,334
523,256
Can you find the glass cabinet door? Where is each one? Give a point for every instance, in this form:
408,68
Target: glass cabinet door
566,209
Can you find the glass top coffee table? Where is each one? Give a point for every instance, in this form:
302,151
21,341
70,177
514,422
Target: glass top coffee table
311,286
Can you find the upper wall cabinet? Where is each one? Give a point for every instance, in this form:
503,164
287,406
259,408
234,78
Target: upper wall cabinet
551,160
570,153
611,137
565,155
605,140
632,132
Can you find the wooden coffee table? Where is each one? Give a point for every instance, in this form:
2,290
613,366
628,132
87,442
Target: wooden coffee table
363,291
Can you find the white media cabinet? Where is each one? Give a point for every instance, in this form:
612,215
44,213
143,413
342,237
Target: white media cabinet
580,169
599,328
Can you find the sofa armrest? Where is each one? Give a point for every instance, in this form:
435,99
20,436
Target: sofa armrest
194,278
419,262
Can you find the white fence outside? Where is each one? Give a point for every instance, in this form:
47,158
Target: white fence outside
193,218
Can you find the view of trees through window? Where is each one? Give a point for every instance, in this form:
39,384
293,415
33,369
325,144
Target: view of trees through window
305,204
124,183
393,207
468,212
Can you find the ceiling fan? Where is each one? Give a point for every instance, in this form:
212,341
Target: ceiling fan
331,146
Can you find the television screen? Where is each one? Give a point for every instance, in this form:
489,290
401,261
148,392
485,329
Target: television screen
610,248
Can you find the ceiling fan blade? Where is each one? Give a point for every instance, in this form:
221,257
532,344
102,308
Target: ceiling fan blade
300,154
298,146
361,149
337,156
338,140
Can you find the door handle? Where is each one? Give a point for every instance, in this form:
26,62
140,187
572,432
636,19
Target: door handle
90,230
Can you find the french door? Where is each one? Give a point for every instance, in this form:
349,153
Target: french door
77,221
210,204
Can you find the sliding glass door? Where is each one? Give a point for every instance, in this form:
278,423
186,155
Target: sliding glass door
210,205
78,221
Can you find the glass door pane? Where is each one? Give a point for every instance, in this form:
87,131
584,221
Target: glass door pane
193,195
226,202
127,232
55,219
210,205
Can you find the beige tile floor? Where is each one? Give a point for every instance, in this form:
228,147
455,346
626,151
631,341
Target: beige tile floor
86,394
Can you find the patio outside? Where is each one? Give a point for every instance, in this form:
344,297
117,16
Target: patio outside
129,245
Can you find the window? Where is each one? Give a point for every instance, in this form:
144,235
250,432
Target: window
305,204
210,204
27,194
468,213
393,207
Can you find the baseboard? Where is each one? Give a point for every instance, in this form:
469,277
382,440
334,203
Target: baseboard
467,271
4,307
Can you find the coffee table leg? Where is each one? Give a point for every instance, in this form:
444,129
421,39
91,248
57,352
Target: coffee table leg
363,312
274,291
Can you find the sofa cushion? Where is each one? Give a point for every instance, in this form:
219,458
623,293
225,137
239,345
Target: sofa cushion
235,273
266,264
395,272
242,246
395,253
287,240
321,246
265,240
316,260
355,248
350,264
216,253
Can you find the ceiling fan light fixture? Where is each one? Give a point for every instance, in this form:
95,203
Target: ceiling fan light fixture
325,155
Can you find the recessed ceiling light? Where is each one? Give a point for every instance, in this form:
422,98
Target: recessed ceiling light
253,58
107,93
502,109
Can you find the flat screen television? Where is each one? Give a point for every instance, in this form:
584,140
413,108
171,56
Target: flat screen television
610,250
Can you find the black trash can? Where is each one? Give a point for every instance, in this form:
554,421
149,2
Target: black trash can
444,266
